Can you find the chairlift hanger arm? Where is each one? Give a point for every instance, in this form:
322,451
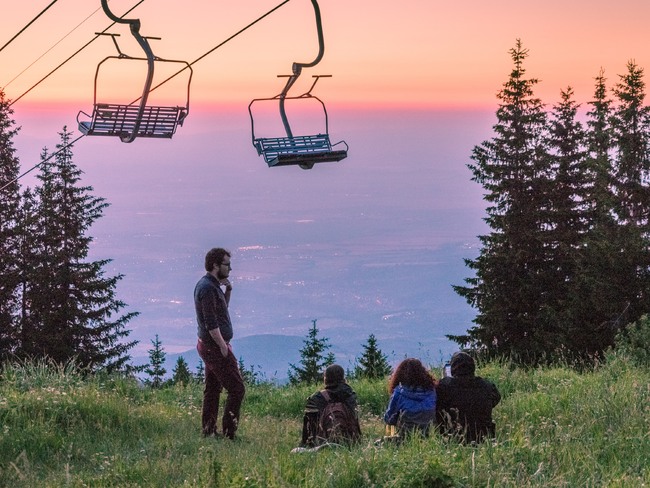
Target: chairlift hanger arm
134,26
297,68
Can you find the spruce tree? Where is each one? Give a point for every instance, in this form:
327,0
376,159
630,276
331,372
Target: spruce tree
373,363
567,217
200,372
28,262
72,304
181,373
511,278
596,300
631,133
156,369
313,359
599,164
249,375
9,209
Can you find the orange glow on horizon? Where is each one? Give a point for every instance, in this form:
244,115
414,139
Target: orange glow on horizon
415,54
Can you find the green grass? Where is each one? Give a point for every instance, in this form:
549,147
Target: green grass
556,428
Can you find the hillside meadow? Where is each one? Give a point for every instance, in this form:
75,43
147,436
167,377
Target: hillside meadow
556,428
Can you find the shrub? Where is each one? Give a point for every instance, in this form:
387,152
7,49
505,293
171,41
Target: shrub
633,341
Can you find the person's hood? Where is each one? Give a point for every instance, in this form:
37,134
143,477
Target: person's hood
341,391
462,364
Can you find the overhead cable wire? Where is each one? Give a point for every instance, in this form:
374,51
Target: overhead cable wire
72,56
53,46
24,28
42,162
217,46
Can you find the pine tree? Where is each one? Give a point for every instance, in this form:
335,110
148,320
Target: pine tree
251,377
567,222
28,262
595,299
313,359
373,363
155,369
181,373
200,372
631,133
511,279
599,164
9,208
71,303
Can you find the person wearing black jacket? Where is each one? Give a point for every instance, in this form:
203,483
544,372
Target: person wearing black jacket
338,391
465,402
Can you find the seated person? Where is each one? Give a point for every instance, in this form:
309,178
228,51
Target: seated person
331,414
465,402
412,404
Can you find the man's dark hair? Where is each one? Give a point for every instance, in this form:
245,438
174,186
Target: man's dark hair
334,375
462,364
215,256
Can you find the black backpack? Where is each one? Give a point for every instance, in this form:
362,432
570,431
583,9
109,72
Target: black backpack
338,423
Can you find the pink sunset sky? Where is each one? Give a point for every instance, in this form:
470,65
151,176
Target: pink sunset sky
411,53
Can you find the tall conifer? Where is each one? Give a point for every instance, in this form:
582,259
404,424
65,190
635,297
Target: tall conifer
72,304
9,207
597,298
509,288
567,223
631,138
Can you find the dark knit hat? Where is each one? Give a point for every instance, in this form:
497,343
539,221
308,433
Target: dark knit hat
334,375
462,364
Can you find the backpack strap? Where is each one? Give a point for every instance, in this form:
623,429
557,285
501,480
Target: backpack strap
326,395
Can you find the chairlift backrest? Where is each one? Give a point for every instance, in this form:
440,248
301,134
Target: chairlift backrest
128,121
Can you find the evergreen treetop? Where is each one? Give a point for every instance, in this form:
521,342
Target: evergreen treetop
155,369
373,363
313,359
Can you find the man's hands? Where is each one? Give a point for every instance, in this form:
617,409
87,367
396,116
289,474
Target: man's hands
226,282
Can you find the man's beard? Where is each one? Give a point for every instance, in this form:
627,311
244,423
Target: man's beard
221,276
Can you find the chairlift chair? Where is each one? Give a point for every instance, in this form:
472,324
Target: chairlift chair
128,121
301,150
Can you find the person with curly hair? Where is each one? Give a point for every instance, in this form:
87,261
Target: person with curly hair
412,404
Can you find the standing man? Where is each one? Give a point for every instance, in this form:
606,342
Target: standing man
215,333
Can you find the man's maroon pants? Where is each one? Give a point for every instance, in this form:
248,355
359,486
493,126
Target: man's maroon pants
220,372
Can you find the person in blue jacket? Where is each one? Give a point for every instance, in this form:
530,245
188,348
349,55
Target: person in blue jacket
412,404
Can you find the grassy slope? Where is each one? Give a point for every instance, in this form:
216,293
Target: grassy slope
555,427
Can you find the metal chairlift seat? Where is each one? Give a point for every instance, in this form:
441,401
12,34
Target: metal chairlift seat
137,119
304,151
128,121
111,119
301,150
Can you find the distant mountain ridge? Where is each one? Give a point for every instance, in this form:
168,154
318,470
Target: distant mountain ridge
267,354
270,355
